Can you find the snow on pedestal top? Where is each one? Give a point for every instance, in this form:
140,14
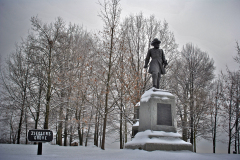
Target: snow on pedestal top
156,92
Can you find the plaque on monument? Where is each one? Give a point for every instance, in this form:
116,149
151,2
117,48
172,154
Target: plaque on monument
164,114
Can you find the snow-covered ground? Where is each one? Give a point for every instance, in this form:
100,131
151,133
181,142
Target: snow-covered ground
29,152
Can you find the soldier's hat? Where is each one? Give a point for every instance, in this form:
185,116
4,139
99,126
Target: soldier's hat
155,40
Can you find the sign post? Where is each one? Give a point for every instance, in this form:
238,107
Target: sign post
39,151
40,135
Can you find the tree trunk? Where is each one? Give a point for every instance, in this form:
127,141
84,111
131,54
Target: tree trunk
20,126
96,130
107,90
125,130
191,108
14,139
21,115
237,117
89,126
229,139
39,104
26,137
185,130
214,135
215,121
215,130
104,128
10,137
120,131
80,135
65,128
49,85
59,134
229,124
194,140
56,132
70,140
60,126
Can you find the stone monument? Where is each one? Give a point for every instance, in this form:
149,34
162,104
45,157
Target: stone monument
157,129
157,111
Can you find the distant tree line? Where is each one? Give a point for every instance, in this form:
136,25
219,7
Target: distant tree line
84,85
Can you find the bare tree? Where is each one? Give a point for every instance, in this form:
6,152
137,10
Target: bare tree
110,14
193,72
16,82
215,96
45,43
229,101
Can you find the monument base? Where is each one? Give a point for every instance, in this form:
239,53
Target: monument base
157,111
158,140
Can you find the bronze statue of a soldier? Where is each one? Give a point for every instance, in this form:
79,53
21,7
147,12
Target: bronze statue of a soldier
157,64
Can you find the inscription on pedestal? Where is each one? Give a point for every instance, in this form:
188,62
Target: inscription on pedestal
164,114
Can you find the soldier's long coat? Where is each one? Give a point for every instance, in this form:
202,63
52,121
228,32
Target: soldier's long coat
156,64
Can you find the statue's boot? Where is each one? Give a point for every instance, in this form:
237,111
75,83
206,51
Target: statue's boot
154,79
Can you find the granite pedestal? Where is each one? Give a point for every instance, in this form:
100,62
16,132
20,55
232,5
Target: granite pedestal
157,111
157,128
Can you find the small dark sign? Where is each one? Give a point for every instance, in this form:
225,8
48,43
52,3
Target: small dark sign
40,135
164,114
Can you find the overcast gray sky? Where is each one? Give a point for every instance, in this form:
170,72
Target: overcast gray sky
212,25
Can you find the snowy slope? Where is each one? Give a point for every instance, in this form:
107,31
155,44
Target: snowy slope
54,152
